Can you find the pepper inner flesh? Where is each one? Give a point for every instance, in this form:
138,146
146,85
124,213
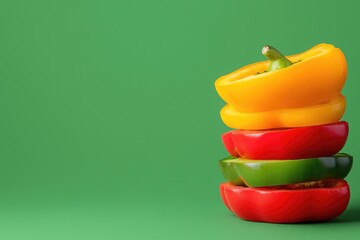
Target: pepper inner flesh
306,185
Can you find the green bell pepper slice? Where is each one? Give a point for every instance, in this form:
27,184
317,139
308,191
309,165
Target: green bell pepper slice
259,173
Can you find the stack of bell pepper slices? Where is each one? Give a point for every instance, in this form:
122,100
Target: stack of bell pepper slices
284,164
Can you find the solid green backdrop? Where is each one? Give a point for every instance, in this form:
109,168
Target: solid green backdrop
109,120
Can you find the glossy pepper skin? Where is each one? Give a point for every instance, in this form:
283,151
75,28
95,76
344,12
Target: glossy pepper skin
287,204
316,77
285,118
260,173
291,143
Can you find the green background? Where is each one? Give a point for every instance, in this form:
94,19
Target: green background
109,120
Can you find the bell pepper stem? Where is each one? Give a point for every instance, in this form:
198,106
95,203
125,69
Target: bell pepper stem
277,60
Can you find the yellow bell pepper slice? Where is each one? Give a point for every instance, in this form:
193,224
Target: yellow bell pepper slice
285,118
316,77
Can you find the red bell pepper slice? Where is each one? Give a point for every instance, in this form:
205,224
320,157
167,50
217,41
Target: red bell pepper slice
321,201
290,143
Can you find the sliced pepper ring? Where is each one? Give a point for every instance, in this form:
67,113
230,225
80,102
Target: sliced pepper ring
320,202
258,173
326,113
289,143
317,76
